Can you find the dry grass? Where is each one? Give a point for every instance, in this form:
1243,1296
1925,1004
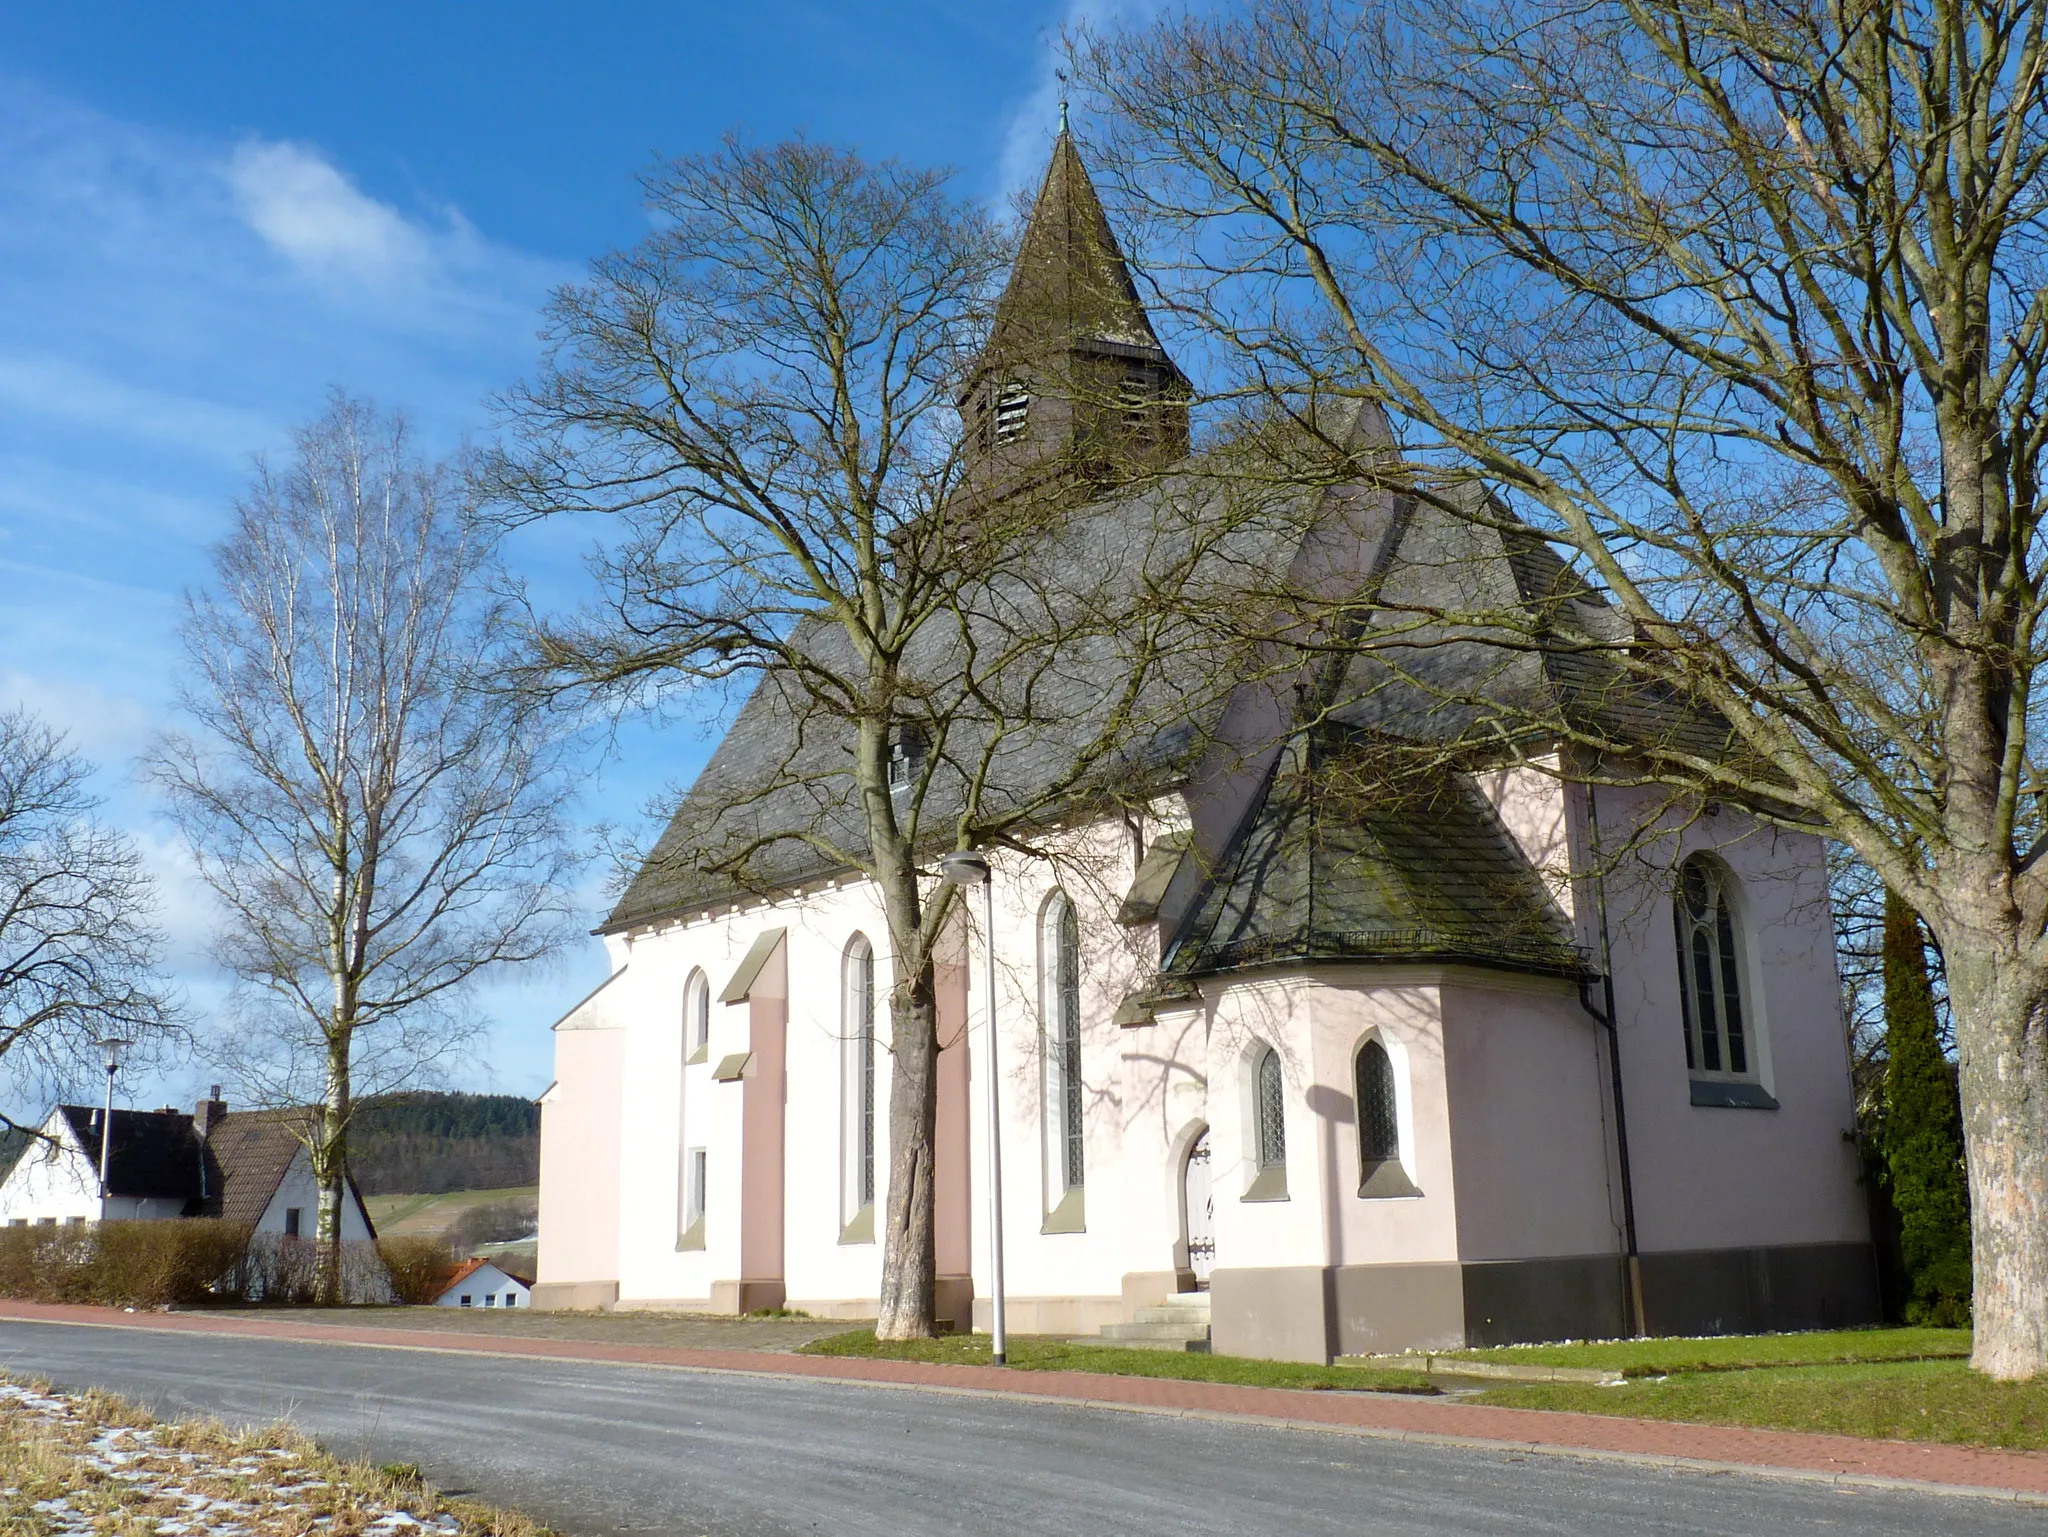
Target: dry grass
91,1463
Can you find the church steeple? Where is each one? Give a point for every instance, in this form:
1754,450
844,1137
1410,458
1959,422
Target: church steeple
1074,385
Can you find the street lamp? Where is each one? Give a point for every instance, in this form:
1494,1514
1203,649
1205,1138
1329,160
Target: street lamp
965,868
112,1049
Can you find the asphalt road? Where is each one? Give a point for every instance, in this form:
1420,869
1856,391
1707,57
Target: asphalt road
595,1449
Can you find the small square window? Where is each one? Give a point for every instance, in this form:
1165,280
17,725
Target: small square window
466,1299
490,1298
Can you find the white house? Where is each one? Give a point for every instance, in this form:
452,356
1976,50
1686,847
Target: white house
1336,1050
246,1166
484,1283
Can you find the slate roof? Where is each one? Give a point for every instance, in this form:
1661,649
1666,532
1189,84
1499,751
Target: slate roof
1348,856
155,1154
1415,870
783,766
1478,628
159,1155
1070,285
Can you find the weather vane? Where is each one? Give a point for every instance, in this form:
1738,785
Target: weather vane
1061,75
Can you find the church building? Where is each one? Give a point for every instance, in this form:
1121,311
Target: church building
1338,1061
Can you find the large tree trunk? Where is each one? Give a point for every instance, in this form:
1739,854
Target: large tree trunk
2000,1007
909,1253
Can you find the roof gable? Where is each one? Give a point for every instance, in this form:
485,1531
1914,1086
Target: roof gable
153,1155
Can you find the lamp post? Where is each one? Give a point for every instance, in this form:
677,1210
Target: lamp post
112,1049
964,868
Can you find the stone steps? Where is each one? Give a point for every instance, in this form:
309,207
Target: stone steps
1179,1323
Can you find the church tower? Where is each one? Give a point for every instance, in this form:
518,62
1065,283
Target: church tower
1074,393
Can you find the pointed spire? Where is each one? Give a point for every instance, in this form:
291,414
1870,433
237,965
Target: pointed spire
1073,388
1071,283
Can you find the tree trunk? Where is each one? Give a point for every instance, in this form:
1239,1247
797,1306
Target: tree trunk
2000,1007
330,1173
909,1253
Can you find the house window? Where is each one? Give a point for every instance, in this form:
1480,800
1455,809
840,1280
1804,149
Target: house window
1061,991
857,1033
1379,1120
1013,404
511,1299
696,1017
466,1299
1717,1042
291,1221
490,1298
1272,1111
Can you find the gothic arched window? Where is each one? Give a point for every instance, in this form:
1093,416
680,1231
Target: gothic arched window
1271,1102
1710,971
1061,991
696,1017
857,1035
1379,1111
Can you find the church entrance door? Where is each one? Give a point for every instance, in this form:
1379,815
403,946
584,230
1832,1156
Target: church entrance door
1198,1215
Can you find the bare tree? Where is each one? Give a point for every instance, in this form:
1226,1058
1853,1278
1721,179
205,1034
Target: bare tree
78,949
1744,304
767,395
381,822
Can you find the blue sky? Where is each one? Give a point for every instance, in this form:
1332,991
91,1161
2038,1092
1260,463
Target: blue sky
209,216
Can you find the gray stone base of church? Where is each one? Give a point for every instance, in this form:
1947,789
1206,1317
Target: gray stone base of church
1316,1312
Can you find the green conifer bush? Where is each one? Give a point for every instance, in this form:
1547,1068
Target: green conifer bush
1923,1132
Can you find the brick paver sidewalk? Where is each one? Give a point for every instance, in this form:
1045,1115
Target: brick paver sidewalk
2018,1475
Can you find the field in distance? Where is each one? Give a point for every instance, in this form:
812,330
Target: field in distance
497,1222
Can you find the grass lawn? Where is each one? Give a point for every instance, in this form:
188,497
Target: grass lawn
1052,1355
1658,1357
1898,1400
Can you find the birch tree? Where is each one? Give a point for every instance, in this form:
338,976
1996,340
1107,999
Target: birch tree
380,821
1743,304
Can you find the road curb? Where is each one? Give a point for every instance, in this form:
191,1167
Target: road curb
823,1374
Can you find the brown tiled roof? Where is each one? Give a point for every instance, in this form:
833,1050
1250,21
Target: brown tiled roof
251,1151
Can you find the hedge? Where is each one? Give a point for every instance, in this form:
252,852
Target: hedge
186,1261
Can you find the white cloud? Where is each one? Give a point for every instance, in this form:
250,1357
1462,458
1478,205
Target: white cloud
1028,141
105,726
312,214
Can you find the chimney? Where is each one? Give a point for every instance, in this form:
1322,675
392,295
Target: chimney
210,1112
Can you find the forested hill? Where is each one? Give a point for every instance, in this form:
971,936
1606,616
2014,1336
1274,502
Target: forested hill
427,1143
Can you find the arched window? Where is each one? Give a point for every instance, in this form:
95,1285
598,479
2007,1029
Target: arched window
858,1036
696,1042
1271,1107
696,1017
1061,991
1710,971
1379,1111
